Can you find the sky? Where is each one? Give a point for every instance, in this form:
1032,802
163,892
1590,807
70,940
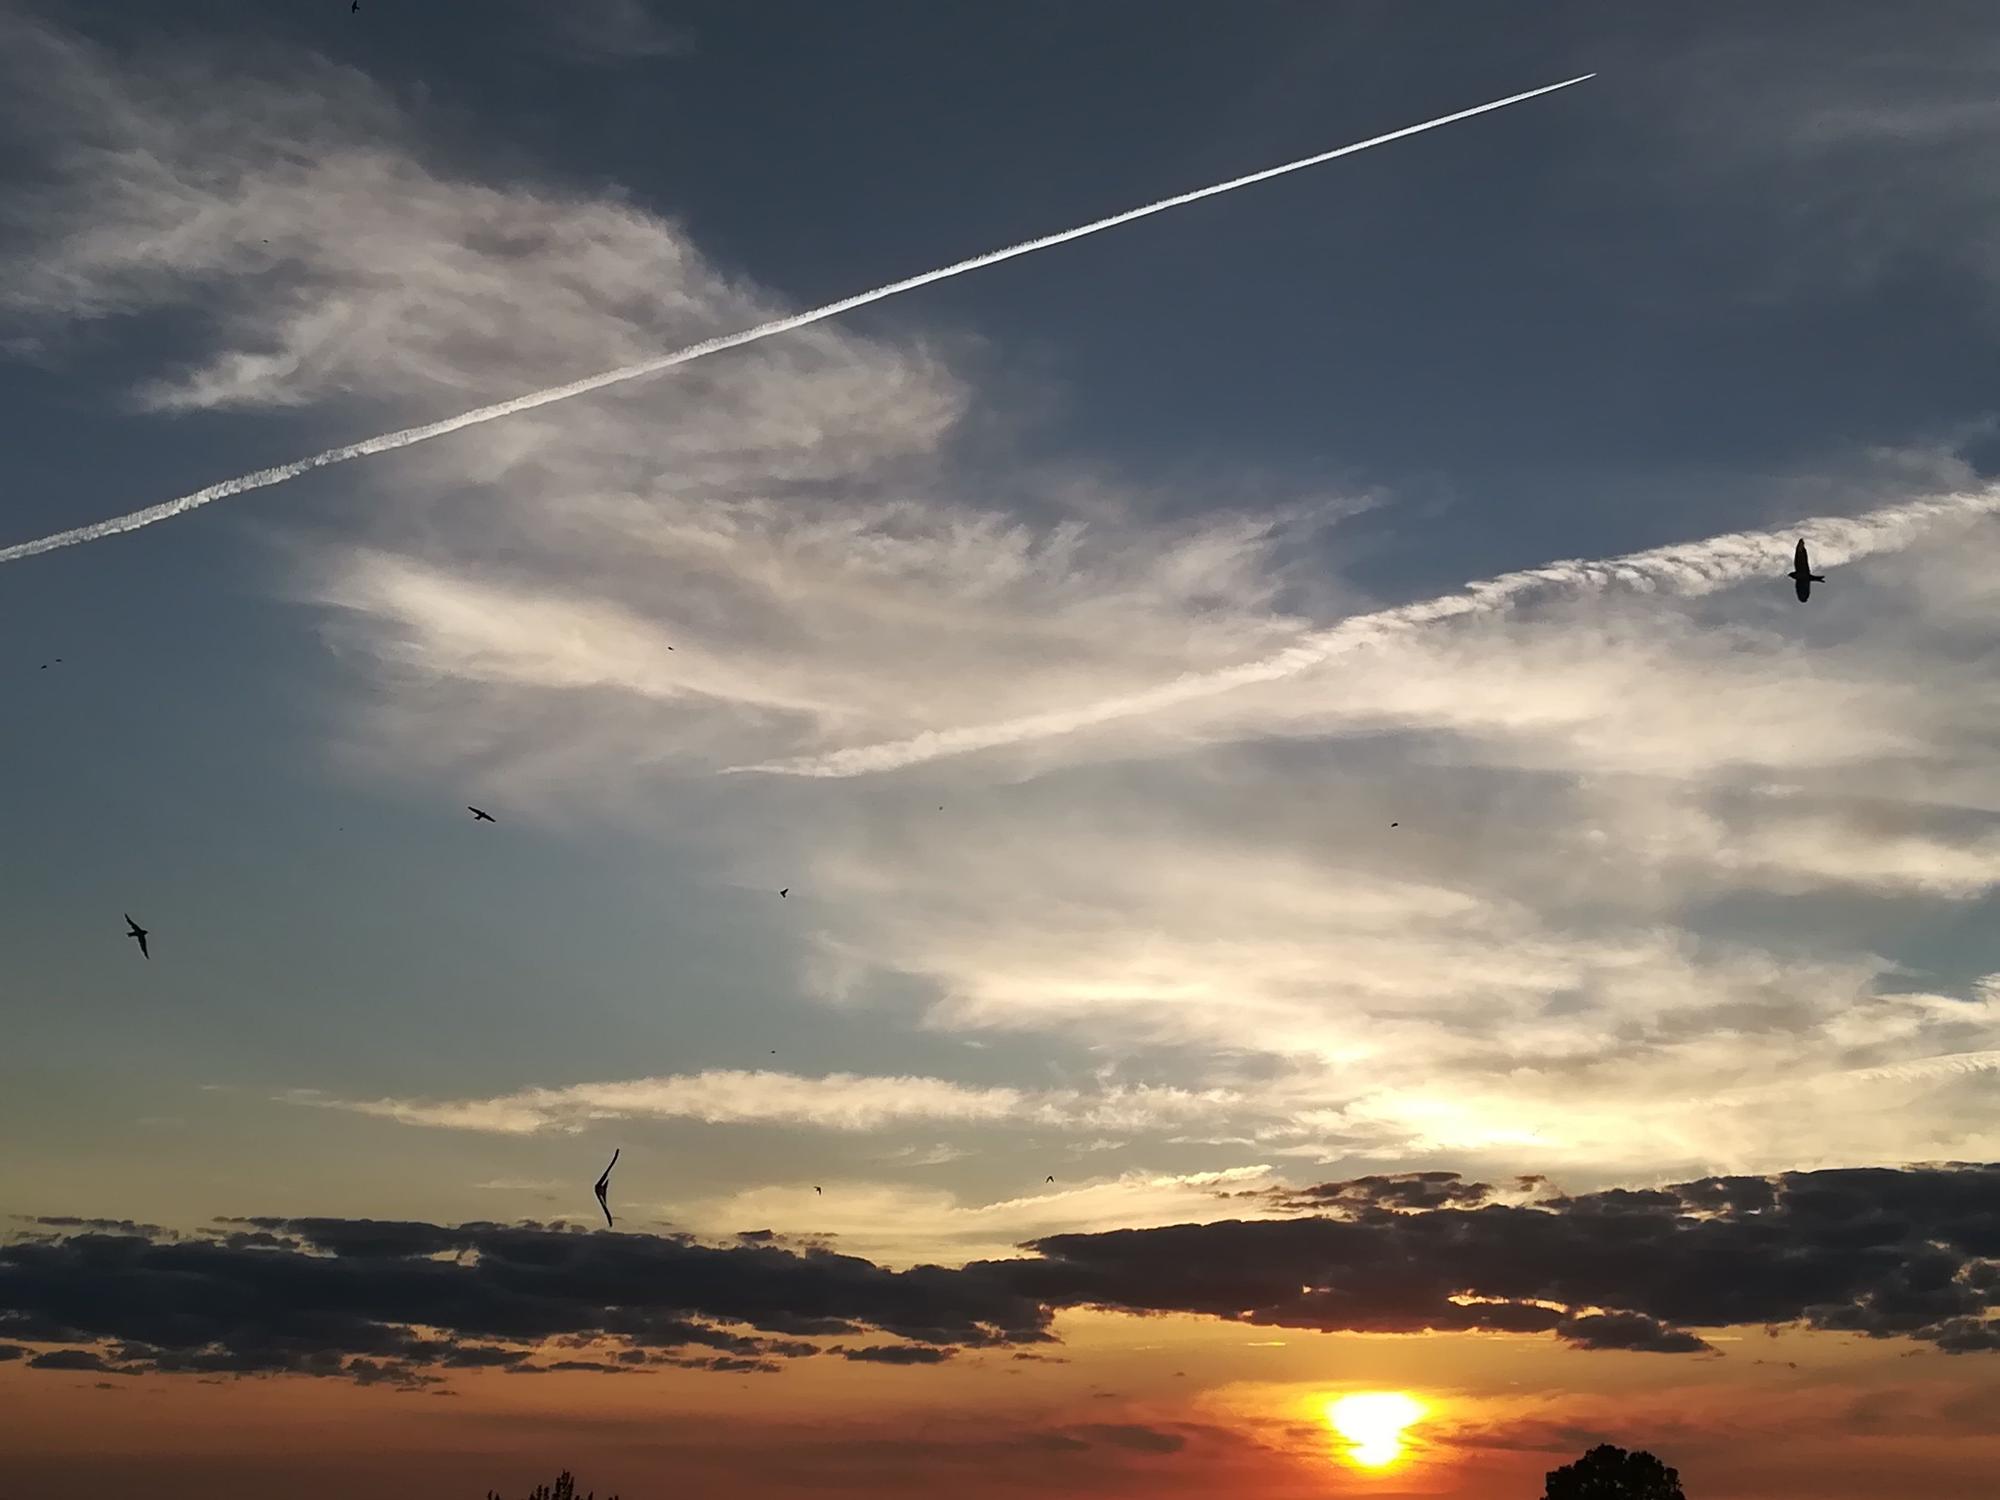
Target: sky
1320,853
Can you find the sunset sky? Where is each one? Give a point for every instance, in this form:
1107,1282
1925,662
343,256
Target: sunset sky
1286,717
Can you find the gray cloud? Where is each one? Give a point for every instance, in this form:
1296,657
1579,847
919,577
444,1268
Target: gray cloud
1632,1331
612,32
897,1354
1909,1253
346,1297
1888,1253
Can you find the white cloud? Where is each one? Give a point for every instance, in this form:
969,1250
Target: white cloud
1691,569
896,1224
832,552
836,1102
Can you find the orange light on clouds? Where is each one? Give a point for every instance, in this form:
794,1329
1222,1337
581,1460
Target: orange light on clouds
1373,1423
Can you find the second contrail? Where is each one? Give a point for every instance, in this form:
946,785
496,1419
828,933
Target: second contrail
389,441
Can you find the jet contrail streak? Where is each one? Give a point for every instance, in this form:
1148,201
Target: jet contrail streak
1686,568
387,442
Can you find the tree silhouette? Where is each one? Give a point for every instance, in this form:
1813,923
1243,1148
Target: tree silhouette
565,1489
1608,1473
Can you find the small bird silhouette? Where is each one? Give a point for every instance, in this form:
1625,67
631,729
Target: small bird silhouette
1052,1177
354,8
604,1184
1395,825
1802,575
785,892
478,816
819,1190
138,932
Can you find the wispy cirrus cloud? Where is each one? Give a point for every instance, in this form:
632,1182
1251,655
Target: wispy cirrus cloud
840,552
1689,569
834,1101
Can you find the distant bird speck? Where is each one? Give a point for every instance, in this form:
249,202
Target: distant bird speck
1802,575
784,893
134,930
819,1190
604,1185
1052,1177
1395,825
478,816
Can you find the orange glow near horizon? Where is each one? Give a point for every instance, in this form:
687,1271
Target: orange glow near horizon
1373,1423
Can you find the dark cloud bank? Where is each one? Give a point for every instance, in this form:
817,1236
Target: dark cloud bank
1908,1253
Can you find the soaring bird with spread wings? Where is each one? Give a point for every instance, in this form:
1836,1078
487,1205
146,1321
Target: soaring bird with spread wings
604,1186
1802,575
135,931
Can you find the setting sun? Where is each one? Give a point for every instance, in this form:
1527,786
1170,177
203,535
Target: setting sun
1373,1424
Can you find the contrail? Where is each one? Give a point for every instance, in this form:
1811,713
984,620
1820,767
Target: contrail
387,442
1686,568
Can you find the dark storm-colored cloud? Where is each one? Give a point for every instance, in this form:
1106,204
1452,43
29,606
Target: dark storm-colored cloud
109,1226
345,1297
1911,1253
69,1359
1404,1192
1882,1252
898,1354
1628,1330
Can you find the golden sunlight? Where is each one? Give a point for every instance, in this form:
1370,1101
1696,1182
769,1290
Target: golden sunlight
1373,1423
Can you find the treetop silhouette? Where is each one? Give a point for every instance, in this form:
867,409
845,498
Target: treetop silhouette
1610,1473
564,1489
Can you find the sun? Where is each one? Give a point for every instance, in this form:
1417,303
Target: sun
1373,1423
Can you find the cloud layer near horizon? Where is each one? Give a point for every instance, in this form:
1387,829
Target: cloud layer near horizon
1908,1254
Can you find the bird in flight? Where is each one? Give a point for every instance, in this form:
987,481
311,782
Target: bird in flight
785,892
819,1190
479,816
355,8
134,930
604,1185
1802,575
1052,1177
